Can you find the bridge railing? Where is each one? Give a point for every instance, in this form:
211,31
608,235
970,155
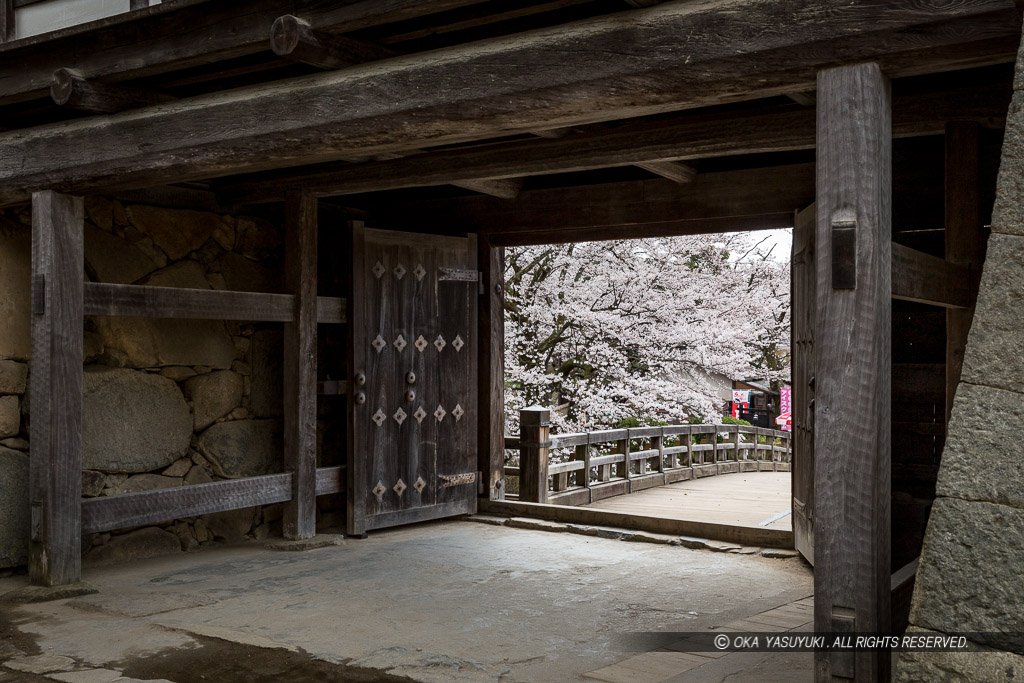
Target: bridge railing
583,467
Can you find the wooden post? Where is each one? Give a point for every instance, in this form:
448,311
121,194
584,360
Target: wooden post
624,469
689,446
300,366
853,339
7,29
534,430
965,242
736,444
55,468
491,378
658,442
583,455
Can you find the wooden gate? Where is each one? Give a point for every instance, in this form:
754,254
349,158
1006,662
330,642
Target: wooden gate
803,294
413,345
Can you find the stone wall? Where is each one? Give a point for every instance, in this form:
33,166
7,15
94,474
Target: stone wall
166,402
969,577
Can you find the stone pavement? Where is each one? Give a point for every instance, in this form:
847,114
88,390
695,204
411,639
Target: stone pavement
446,601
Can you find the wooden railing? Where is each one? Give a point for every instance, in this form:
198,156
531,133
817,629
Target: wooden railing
580,468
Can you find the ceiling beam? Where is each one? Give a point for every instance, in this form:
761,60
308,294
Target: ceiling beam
673,56
685,137
673,170
708,200
296,40
166,37
68,88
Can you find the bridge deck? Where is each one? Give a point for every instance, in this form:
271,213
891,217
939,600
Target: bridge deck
748,499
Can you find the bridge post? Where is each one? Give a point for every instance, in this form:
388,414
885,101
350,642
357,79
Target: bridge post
534,430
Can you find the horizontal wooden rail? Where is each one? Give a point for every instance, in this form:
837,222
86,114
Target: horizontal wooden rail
103,298
927,279
160,505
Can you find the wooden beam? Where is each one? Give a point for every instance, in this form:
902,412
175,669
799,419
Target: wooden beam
55,485
673,170
688,136
497,87
491,377
170,37
565,210
101,298
69,88
696,226
507,188
297,40
300,365
853,347
804,99
149,507
927,279
965,241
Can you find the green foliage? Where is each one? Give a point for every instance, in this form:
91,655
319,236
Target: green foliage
730,420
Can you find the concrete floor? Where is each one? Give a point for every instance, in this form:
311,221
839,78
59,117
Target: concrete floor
446,601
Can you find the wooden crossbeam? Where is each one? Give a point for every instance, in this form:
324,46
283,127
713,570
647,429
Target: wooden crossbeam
673,170
497,87
713,202
686,137
103,298
927,279
149,507
297,40
69,88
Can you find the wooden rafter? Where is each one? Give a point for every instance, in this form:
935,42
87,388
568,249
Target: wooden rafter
354,111
69,88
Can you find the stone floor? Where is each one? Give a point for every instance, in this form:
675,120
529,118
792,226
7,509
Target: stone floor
446,601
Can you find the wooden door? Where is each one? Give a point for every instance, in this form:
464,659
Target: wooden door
413,419
802,271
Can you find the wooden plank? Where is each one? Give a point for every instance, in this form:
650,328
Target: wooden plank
181,34
150,507
55,392
747,535
330,309
852,341
69,88
336,115
491,459
300,363
965,240
7,26
926,279
103,298
356,471
686,136
534,429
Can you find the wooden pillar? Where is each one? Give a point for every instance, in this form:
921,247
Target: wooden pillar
491,378
852,366
55,393
534,430
965,242
300,365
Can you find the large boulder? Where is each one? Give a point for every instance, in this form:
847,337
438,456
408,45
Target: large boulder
10,416
15,289
112,259
213,396
157,342
13,377
245,275
266,374
230,526
243,448
177,232
137,545
14,510
132,421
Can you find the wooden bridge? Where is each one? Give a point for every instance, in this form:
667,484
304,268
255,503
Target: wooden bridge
586,467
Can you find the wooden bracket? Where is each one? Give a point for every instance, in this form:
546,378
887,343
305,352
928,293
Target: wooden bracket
295,39
69,88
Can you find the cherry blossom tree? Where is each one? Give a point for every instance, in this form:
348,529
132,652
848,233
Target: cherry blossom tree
631,328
